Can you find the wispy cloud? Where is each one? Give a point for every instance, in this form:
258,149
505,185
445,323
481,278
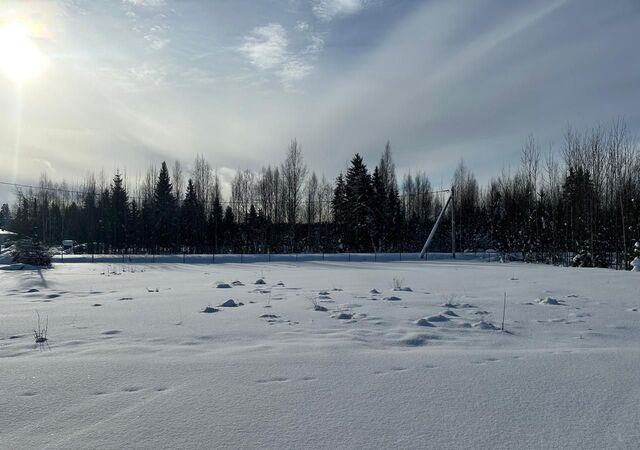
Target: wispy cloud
329,9
266,47
147,3
147,74
152,25
157,36
270,48
302,26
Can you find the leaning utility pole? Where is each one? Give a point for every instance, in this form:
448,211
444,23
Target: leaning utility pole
435,226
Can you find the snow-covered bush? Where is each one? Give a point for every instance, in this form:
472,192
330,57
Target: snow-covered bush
28,251
583,259
635,264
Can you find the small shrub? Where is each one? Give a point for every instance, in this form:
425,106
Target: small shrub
28,251
317,306
398,283
40,331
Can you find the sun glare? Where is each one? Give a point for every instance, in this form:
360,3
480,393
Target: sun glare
20,58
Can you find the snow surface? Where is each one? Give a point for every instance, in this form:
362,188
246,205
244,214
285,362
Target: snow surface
147,369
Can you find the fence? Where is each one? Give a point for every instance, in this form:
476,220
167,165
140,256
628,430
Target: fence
241,258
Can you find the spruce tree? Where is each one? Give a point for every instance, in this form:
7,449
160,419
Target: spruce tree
119,212
133,225
5,217
339,209
359,193
190,217
165,209
215,223
379,208
228,227
104,220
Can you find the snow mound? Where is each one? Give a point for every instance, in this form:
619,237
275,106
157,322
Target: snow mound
448,312
424,323
417,340
375,291
210,310
485,325
319,308
223,286
231,303
269,316
344,316
237,283
403,289
393,299
438,318
549,301
260,281
323,293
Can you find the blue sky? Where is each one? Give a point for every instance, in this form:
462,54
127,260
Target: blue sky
131,82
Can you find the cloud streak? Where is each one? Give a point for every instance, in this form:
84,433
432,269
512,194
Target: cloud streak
328,10
269,48
266,46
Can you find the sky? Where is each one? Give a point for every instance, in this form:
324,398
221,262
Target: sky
121,84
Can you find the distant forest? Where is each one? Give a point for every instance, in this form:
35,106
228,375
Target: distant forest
581,199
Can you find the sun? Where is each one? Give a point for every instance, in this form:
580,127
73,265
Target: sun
20,58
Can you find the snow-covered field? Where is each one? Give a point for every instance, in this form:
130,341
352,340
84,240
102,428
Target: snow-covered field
132,362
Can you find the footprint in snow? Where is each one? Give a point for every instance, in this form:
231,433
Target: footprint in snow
273,380
28,394
131,389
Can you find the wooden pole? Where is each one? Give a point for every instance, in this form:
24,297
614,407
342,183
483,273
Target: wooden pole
453,223
504,309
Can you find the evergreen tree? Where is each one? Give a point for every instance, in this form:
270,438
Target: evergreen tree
359,193
380,209
119,212
89,219
394,216
215,223
5,217
165,210
72,222
578,196
104,219
252,227
340,211
133,228
228,228
148,229
190,217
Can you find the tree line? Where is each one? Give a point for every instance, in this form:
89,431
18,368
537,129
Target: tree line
580,200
